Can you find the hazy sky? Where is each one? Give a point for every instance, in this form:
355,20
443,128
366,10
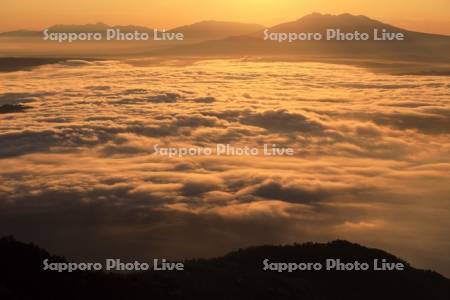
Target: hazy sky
430,15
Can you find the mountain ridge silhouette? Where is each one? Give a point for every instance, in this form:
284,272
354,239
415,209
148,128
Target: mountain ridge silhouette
415,45
203,29
237,275
419,54
328,19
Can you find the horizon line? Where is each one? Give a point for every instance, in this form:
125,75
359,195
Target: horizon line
227,21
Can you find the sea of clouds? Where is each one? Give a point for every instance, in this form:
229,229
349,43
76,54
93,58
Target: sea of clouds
79,176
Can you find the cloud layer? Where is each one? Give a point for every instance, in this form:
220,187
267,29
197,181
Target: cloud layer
79,174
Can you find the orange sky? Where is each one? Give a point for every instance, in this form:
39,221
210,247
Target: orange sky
429,15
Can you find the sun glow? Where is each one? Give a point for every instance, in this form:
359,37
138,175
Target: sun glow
30,14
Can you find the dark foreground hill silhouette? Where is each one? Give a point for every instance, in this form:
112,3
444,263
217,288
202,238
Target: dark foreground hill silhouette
238,275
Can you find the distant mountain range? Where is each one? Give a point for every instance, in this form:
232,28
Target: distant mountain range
206,30
215,39
216,30
238,275
415,47
98,27
317,22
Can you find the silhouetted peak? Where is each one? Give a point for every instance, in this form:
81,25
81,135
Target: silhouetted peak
317,22
238,275
97,27
319,16
211,29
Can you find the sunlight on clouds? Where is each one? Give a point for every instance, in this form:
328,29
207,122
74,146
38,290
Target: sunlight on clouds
371,155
